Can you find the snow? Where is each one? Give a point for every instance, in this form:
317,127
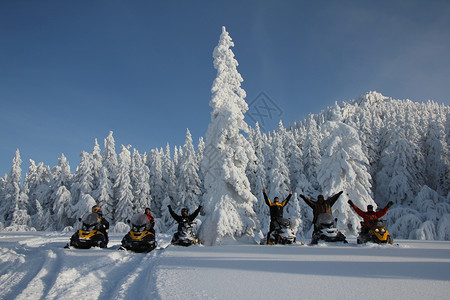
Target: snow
34,265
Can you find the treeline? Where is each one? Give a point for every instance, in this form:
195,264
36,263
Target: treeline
374,148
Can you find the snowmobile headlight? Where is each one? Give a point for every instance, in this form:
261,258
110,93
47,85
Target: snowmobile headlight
382,231
377,230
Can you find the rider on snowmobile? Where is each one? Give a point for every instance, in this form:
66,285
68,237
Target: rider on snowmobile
370,216
151,219
276,210
104,223
185,217
321,206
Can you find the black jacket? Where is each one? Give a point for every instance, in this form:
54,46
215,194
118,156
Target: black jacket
181,220
276,208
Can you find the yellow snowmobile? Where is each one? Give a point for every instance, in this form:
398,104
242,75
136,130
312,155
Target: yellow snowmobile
90,234
377,234
141,237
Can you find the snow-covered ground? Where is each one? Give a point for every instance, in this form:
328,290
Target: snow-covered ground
34,265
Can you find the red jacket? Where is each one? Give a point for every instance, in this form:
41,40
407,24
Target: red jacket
370,216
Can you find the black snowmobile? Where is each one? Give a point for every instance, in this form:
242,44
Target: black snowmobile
90,234
185,235
376,234
283,234
140,238
327,230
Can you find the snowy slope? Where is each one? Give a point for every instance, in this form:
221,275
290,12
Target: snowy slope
34,265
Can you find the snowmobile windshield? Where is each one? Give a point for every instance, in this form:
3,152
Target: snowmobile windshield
139,222
90,221
326,220
380,223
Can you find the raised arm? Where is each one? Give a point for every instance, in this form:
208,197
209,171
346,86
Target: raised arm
334,198
356,209
173,214
384,210
195,213
287,199
308,201
266,198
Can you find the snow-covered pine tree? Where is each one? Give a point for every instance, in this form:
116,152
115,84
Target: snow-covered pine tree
12,192
311,152
228,200
344,168
140,175
62,208
125,199
156,183
96,164
188,181
82,182
110,163
104,194
168,175
256,174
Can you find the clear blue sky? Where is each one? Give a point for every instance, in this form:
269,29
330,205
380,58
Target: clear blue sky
71,71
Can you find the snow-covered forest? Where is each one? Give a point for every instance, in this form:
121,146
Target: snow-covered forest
374,148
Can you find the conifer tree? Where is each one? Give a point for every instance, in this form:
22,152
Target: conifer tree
228,200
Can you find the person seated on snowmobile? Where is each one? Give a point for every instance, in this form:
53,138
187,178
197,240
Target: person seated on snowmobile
151,219
321,206
185,217
369,217
276,210
104,223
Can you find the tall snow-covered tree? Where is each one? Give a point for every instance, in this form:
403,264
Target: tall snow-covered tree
228,200
96,164
125,206
156,182
344,168
188,181
13,196
168,175
256,174
311,152
82,180
140,175
107,178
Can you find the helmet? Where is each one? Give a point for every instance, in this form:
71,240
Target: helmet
96,209
184,211
276,199
369,207
147,210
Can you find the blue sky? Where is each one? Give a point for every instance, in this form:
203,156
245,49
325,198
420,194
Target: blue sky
71,71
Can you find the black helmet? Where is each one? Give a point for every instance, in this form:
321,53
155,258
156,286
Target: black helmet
147,210
184,211
369,207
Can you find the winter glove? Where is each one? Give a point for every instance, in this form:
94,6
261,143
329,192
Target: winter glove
302,196
168,206
390,204
350,202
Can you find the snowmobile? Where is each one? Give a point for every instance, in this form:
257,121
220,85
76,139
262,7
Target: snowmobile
326,230
282,234
185,235
377,233
90,234
140,238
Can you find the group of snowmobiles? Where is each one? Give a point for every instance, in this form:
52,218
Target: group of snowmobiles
326,231
141,237
373,229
